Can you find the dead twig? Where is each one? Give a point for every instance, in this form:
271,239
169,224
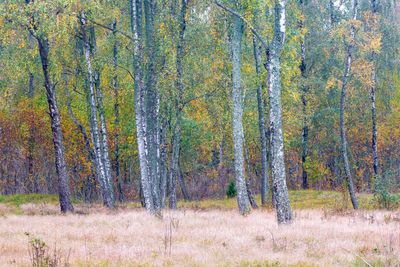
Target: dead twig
358,256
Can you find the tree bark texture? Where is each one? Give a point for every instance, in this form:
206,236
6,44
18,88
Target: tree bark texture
104,141
61,166
152,105
282,205
140,103
237,116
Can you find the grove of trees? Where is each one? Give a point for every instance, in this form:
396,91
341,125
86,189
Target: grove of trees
160,100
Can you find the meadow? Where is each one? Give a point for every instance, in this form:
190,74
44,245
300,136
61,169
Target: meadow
206,233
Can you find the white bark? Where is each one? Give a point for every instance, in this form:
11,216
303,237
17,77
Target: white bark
283,209
140,109
95,132
237,117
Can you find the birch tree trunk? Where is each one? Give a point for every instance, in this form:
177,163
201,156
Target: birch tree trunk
182,184
373,110
91,157
237,115
174,171
61,166
79,125
252,200
282,206
117,120
332,12
139,95
107,195
304,98
152,105
104,145
164,163
375,164
261,126
31,141
177,128
347,170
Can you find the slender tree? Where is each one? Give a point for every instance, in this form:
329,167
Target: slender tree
152,103
177,128
261,122
104,140
139,99
163,163
237,115
280,195
347,170
304,99
101,166
116,115
61,166
374,137
283,209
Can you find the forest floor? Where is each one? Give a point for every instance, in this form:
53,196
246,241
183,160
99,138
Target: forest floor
205,233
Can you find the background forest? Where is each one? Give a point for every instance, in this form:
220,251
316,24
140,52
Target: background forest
170,65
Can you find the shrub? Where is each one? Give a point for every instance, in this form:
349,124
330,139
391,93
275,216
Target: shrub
231,191
41,256
383,197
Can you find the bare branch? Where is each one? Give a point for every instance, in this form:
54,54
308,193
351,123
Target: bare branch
355,254
80,126
76,90
111,29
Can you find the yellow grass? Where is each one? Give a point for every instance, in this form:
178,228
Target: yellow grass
299,199
131,237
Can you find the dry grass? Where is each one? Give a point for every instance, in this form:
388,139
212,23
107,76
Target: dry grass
213,238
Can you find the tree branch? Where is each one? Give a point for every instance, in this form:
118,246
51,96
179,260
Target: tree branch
355,254
111,29
80,126
255,32
184,103
123,68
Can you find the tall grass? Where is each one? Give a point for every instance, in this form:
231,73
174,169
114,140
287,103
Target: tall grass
209,238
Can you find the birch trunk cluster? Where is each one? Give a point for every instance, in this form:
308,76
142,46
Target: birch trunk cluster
97,122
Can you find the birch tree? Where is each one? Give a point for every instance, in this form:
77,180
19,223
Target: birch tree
140,104
61,167
261,122
179,105
304,99
237,115
152,102
273,51
350,46
374,137
283,209
98,135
